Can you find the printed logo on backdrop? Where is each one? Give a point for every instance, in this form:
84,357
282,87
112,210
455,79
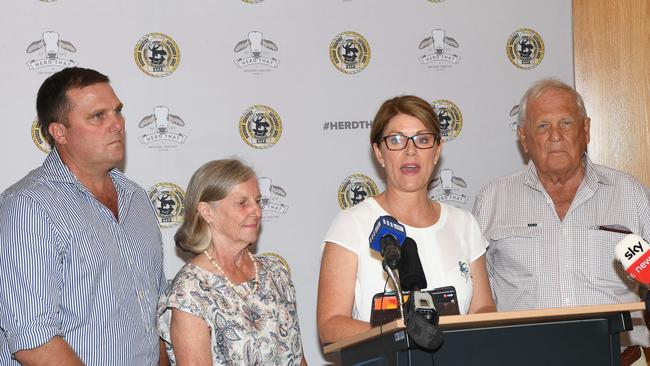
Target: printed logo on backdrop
347,125
525,48
260,126
450,118
252,1
448,188
256,46
161,125
168,199
514,112
436,1
349,52
39,139
157,55
52,53
441,45
354,189
272,200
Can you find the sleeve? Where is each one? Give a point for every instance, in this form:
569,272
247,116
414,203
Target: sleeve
162,278
475,239
346,232
31,267
481,208
644,212
181,295
162,285
481,211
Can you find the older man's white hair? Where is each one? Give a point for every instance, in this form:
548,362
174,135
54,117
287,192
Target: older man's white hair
539,88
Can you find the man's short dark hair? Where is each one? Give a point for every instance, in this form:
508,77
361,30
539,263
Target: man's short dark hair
52,103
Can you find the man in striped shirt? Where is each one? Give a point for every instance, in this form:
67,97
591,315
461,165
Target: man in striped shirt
80,247
553,226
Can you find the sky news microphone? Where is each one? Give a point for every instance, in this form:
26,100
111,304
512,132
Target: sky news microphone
386,238
411,274
634,254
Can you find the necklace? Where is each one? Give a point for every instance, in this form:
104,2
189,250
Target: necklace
228,282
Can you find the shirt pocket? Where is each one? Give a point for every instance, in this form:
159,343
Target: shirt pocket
600,260
514,248
505,234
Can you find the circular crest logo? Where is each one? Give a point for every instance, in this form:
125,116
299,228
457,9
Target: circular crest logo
260,126
450,118
157,55
525,48
169,201
349,52
39,139
354,189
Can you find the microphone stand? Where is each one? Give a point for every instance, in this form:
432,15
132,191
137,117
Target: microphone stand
398,289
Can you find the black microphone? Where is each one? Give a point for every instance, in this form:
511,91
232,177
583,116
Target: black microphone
386,238
391,251
411,274
421,315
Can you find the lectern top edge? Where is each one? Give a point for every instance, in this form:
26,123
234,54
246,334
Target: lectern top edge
492,319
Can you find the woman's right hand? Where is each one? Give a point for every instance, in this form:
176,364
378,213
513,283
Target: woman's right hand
338,273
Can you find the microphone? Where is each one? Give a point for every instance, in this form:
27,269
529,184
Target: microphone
421,315
634,254
411,274
386,238
422,321
390,251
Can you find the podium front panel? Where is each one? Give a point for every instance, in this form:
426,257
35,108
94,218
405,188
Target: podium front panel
572,342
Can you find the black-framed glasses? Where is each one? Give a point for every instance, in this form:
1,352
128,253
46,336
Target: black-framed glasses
398,141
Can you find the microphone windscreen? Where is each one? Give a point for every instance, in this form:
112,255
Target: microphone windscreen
386,225
634,254
411,274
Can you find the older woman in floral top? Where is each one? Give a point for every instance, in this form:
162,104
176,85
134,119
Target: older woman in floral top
228,306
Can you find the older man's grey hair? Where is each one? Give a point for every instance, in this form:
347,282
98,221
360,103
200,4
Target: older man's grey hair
539,88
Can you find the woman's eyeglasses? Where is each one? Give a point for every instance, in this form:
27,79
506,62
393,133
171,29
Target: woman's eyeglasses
421,141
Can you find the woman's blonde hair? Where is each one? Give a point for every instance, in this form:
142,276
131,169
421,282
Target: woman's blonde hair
211,182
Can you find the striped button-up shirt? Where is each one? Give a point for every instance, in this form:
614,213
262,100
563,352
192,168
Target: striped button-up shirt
70,269
536,261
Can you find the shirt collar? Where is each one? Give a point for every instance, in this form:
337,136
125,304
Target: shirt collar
591,179
56,170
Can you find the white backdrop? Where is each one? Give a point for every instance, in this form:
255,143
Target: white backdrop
210,78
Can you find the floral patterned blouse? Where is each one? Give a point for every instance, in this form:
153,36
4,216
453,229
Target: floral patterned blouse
259,330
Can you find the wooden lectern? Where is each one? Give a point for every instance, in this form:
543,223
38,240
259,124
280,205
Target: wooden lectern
587,335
